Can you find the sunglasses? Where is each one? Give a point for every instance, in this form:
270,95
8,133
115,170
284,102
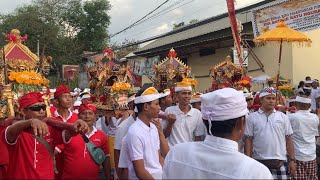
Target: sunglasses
37,107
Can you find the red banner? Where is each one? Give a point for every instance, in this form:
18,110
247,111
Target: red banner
234,28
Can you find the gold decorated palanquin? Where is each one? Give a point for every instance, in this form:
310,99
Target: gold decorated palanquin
112,82
21,67
170,71
227,74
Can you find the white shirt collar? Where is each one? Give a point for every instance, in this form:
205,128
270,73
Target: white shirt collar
262,112
214,141
56,114
92,132
143,125
189,113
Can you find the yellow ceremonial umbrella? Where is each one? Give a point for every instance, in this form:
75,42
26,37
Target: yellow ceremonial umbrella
282,33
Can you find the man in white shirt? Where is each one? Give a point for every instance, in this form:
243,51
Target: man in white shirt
268,137
305,129
315,87
143,140
121,132
217,157
188,125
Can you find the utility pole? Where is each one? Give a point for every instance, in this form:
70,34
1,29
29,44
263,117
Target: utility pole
38,48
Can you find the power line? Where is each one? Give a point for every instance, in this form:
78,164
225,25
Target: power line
139,19
155,27
164,12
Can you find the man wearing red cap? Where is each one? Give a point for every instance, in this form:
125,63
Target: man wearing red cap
78,162
64,103
29,140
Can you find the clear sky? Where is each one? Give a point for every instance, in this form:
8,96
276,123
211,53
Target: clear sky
126,12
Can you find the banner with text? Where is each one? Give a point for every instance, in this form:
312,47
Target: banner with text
298,15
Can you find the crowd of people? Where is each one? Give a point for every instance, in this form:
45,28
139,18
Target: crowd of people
164,134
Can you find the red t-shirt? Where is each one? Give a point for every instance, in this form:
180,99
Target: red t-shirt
59,157
78,163
29,158
4,157
53,109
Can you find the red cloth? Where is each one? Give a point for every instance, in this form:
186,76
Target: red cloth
60,156
53,109
77,160
29,99
84,106
30,159
4,157
61,90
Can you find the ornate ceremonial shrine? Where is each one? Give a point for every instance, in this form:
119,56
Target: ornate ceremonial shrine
170,70
227,74
111,81
21,66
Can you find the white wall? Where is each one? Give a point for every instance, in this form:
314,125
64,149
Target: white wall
268,56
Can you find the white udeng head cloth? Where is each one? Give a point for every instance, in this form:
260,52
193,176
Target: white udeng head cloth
303,100
165,93
267,91
195,98
223,104
148,95
131,98
183,86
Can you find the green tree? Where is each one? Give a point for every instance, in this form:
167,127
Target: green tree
124,48
93,28
64,28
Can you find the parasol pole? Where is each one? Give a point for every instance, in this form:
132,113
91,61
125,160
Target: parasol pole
278,75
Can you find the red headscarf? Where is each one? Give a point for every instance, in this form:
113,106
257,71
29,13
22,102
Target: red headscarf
29,99
84,107
61,90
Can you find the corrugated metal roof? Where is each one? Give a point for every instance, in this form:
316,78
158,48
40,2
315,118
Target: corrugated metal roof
195,32
214,24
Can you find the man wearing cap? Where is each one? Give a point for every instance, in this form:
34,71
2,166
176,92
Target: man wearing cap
165,100
188,125
268,137
305,129
64,102
121,132
85,97
223,112
29,156
78,163
196,101
143,139
53,104
315,87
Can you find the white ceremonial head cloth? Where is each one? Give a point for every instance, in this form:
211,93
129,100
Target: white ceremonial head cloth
303,100
223,104
267,91
148,95
131,98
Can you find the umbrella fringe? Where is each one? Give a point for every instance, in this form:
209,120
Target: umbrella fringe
294,44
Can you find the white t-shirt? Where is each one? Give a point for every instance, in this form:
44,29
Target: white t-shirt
144,144
269,134
305,129
313,99
122,131
123,159
101,125
215,158
185,127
